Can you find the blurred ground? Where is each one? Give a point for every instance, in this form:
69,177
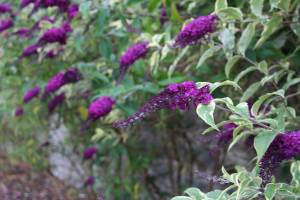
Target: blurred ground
20,182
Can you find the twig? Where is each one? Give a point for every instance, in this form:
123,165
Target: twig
252,120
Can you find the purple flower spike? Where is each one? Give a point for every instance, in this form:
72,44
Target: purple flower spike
6,24
55,101
284,147
19,112
5,8
66,26
88,154
132,54
50,54
30,50
70,76
89,181
73,10
98,109
174,96
196,30
22,32
34,92
25,3
54,35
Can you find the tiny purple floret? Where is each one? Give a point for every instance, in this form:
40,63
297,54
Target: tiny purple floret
90,152
34,92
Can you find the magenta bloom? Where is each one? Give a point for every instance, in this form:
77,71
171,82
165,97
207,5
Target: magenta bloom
70,76
132,54
55,101
19,112
5,24
56,35
23,32
90,152
196,30
89,181
284,147
73,10
25,3
97,109
50,54
30,50
61,4
174,96
34,92
5,8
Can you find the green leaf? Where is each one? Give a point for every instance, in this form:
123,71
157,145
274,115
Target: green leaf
207,54
78,44
241,109
205,112
250,91
257,7
238,137
284,5
274,3
153,4
270,190
223,123
295,171
181,198
263,66
102,21
85,8
230,64
295,26
173,66
154,62
263,141
269,29
227,38
272,122
215,85
290,83
220,4
257,104
246,38
280,118
164,52
243,73
105,47
99,76
195,193
266,79
242,186
166,82
230,13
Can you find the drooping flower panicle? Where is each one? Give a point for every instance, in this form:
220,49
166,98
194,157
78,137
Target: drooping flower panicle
5,8
70,76
131,55
25,3
196,30
98,109
89,181
284,147
19,112
73,10
56,101
174,96
30,50
6,24
88,154
34,92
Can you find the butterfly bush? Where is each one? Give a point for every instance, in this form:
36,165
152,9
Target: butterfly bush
195,30
70,76
6,24
34,92
89,181
19,112
5,8
22,32
98,109
90,152
30,50
284,147
131,55
174,96
56,101
25,3
61,4
73,10
56,35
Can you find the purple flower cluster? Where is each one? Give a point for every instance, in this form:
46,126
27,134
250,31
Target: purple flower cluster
34,92
22,32
19,112
55,101
56,35
132,54
61,4
70,76
6,24
196,30
89,181
30,50
284,147
25,3
90,152
5,8
73,10
163,17
174,96
51,53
